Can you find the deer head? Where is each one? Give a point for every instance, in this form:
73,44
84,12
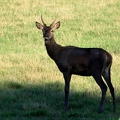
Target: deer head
48,30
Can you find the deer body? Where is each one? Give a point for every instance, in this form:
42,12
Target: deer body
70,60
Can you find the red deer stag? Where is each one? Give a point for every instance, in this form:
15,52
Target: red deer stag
94,62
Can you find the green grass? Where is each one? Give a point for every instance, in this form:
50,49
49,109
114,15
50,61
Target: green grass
45,101
31,86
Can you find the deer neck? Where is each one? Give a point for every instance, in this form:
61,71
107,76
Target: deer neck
52,48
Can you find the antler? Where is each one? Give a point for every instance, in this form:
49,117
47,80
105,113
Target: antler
53,21
43,21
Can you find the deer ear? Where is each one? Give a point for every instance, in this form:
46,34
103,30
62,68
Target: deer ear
39,26
56,26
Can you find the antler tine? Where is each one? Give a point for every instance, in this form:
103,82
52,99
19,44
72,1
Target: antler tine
43,21
53,21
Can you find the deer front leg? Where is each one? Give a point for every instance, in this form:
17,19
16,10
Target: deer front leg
67,77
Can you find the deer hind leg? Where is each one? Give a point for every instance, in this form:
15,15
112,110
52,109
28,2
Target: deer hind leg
107,77
103,88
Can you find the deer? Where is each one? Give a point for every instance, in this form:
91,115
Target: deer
73,60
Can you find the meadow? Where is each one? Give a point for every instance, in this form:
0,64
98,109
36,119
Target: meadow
31,86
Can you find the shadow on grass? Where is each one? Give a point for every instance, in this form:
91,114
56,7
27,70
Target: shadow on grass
46,101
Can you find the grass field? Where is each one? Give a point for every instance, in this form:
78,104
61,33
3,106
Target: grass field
31,86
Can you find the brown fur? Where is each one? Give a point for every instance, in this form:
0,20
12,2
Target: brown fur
70,60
